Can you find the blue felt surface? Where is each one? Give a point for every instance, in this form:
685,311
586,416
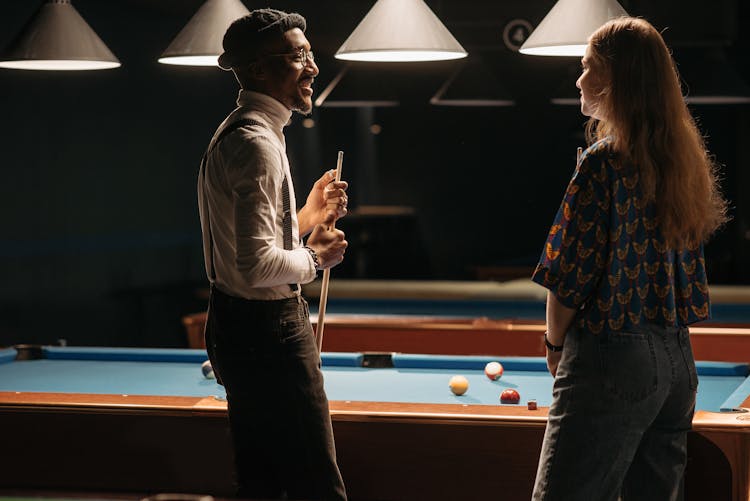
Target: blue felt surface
431,386
454,362
332,359
124,354
400,360
417,361
738,396
410,382
713,391
706,368
107,377
165,355
7,355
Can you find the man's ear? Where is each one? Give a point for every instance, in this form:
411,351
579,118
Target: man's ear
257,71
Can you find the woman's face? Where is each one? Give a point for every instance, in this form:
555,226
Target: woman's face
591,83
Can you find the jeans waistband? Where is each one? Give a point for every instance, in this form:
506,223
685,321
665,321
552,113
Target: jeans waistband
228,299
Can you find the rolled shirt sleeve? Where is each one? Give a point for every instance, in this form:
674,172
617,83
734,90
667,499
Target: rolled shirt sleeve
575,252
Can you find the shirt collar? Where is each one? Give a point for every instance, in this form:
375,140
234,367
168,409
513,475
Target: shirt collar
278,114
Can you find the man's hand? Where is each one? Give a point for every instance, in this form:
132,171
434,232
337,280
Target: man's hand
329,245
327,201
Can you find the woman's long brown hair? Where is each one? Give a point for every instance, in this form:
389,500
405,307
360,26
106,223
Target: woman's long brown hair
645,114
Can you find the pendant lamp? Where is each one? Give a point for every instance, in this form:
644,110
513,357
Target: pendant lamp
400,31
57,38
565,30
200,41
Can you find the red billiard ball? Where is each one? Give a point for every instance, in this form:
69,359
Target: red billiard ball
510,396
493,370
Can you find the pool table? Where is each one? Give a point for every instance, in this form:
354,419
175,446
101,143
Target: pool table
476,336
474,317
146,420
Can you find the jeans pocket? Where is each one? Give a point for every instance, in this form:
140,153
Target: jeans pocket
628,364
294,325
687,357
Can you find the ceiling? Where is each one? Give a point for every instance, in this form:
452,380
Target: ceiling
139,30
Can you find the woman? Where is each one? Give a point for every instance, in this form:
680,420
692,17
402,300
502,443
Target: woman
624,266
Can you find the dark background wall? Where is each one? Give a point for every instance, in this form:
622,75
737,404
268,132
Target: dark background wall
100,235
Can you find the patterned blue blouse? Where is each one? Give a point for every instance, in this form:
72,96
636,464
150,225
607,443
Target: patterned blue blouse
605,254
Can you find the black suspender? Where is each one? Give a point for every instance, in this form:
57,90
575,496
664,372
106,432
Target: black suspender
285,196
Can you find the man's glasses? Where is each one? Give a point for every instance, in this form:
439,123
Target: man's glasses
298,56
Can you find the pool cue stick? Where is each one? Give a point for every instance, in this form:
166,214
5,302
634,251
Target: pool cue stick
326,273
578,155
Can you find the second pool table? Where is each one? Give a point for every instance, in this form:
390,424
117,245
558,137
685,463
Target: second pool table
475,336
146,420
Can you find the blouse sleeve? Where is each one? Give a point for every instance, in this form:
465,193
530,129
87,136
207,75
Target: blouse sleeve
575,252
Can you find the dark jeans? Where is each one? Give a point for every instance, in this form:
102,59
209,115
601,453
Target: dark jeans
622,405
265,355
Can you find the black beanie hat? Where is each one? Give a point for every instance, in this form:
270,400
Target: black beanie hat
246,35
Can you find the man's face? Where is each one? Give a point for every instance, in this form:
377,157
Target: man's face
289,77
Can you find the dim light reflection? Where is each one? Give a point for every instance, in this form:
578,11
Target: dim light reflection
400,56
212,60
555,50
59,65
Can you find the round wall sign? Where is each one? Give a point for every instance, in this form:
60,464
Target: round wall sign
516,32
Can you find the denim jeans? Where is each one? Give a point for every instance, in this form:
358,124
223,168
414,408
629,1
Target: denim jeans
265,355
622,405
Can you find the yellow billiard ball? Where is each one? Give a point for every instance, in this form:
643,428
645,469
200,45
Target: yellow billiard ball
458,385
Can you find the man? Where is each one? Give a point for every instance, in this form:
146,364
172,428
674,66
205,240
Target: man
258,333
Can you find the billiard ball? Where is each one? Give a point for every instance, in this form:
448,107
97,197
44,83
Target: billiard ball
493,370
458,385
510,396
208,371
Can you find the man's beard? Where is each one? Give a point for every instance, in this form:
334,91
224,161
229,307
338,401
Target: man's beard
302,106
